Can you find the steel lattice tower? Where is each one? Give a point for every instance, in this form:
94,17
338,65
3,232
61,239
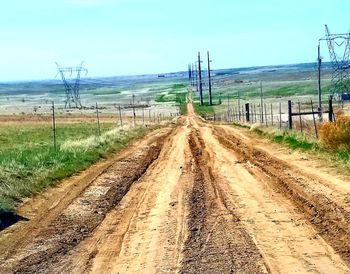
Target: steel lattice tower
71,84
339,52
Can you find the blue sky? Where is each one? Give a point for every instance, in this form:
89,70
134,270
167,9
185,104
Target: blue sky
123,37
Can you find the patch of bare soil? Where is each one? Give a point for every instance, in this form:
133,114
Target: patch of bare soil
217,242
329,218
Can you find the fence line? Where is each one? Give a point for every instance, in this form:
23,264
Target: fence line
252,113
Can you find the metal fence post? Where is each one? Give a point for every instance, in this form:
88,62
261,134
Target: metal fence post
54,125
98,121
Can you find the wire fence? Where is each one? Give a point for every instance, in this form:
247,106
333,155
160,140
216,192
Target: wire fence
93,121
289,115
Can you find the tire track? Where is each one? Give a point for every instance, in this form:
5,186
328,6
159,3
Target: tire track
330,220
145,231
216,243
81,217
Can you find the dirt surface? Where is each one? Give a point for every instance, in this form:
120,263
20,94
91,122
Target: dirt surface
196,198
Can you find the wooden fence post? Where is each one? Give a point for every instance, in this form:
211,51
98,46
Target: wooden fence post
133,109
290,122
280,110
330,108
143,116
120,116
247,117
271,115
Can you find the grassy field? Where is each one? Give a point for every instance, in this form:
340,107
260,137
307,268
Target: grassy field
204,109
28,162
177,94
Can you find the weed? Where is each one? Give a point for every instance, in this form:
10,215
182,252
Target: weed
336,136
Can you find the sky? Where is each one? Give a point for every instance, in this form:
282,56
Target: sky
128,37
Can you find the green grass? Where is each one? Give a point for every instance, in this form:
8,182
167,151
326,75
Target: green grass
177,93
29,164
339,158
204,109
104,91
183,109
294,141
273,89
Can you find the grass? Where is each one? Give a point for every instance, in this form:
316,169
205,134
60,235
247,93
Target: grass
294,141
177,94
183,108
339,158
272,89
29,164
104,91
203,109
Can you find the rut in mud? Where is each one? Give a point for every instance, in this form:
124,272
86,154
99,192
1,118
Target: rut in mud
330,219
217,243
197,198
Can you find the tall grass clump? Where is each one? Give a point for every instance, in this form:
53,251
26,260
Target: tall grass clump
336,136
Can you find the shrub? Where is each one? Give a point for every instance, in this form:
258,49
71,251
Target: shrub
336,136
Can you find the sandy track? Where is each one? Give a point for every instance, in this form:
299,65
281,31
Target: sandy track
199,198
287,240
144,232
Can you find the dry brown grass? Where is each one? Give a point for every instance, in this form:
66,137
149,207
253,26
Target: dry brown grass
336,136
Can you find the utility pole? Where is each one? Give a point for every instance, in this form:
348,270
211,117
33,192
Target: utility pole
200,79
192,74
196,69
189,73
261,104
209,81
319,60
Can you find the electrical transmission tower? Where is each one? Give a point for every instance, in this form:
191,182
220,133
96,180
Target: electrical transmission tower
339,52
71,84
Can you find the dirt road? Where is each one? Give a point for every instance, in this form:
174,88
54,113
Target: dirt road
194,198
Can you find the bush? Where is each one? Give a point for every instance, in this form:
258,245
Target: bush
336,136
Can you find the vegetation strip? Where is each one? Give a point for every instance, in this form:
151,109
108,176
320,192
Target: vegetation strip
339,155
